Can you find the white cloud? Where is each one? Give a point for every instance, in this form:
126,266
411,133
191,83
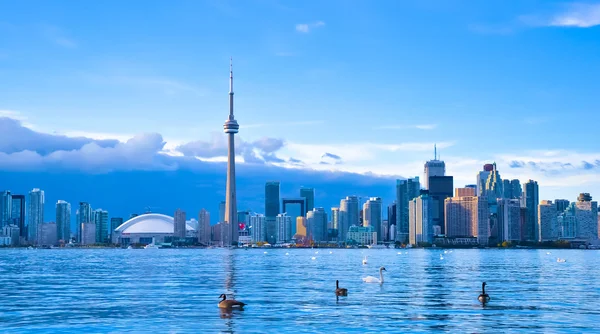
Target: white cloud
578,15
408,126
306,27
262,125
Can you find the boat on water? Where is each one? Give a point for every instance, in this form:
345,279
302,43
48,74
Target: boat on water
376,246
151,246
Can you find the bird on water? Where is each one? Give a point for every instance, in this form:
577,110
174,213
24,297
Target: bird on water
483,297
371,279
340,291
229,303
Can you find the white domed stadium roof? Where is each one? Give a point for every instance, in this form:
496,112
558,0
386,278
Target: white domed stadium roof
150,223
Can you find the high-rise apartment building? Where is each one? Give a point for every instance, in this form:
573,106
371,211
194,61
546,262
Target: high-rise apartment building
530,201
468,217
301,232
309,195
317,225
462,192
18,214
84,215
406,190
561,205
179,224
258,229
372,216
587,217
35,214
440,188
5,208
335,218
567,223
349,215
204,227
509,220
114,223
284,228
271,210
101,222
47,234
63,221
221,212
420,221
433,167
88,233
547,221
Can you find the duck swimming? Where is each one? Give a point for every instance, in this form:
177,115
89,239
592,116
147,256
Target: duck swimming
340,291
229,303
483,297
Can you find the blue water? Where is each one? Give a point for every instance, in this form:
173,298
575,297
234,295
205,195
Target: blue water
176,291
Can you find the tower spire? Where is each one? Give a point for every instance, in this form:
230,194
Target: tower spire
434,151
231,88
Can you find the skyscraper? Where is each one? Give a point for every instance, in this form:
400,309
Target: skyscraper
294,207
392,211
482,177
221,212
309,196
316,221
547,221
349,214
18,214
531,201
84,215
420,220
204,227
509,220
35,214
372,215
231,127
63,221
406,190
461,192
5,208
179,224
271,210
561,205
433,167
440,188
335,218
101,222
284,228
468,216
587,217
258,228
114,223
512,188
494,188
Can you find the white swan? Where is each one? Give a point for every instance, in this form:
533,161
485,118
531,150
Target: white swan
558,259
371,279
364,260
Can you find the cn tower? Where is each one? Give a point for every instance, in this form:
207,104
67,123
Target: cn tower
231,127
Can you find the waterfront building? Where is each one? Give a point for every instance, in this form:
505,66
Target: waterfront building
88,234
587,217
392,211
114,223
531,201
567,223
349,215
468,217
433,167
317,225
335,221
467,191
392,234
309,196
48,235
18,215
512,189
294,207
362,235
179,224
204,227
300,235
271,210
372,215
84,215
547,220
482,177
258,229
12,232
221,212
284,228
245,238
440,188
101,222
63,221
509,220
216,233
493,184
561,205
5,208
420,222
147,227
406,190
35,214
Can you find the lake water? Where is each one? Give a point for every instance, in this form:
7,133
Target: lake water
176,291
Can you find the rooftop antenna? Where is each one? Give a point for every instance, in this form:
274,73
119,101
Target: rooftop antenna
434,151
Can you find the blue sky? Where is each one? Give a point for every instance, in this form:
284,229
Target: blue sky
373,83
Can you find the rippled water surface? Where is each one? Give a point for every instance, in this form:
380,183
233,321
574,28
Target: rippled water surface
176,291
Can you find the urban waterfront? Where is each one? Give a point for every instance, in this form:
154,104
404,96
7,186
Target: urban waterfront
176,290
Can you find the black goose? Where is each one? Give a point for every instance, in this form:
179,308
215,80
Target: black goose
228,304
483,297
340,291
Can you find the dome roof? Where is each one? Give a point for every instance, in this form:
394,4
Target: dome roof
150,223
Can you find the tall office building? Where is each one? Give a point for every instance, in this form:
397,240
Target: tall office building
372,215
335,218
258,229
440,188
300,229
420,220
88,233
18,214
482,177
462,192
316,221
35,214
294,207
512,189
231,127
392,211
567,222
509,220
587,217
433,167
530,201
221,212
47,234
547,221
494,188
309,195
101,222
114,223
179,222
5,208
468,217
349,213
271,210
63,221
561,205
204,227
284,228
406,190
84,215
